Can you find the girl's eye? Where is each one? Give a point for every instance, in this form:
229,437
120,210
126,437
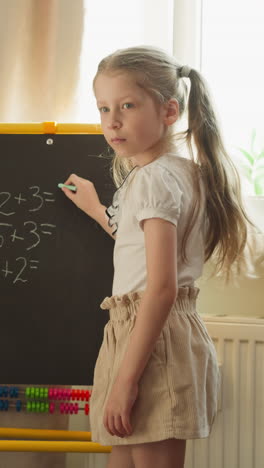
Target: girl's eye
128,105
103,109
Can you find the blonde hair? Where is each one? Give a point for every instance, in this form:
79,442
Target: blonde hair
160,75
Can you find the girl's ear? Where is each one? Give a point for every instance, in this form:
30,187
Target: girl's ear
171,112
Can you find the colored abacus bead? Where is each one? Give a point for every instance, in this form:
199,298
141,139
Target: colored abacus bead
51,408
18,405
28,406
50,393
13,392
87,409
4,391
66,408
4,405
43,407
64,394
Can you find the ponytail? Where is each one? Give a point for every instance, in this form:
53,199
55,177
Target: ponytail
227,232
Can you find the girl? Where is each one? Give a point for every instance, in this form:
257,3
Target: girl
156,376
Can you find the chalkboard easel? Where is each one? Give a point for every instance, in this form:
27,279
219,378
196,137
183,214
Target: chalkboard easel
55,261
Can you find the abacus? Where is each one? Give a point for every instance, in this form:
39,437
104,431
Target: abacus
44,399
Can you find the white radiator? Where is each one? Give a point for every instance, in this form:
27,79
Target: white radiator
237,438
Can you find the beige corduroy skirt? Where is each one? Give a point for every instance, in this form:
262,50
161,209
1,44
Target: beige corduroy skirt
178,389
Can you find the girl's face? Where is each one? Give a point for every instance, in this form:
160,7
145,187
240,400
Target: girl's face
132,122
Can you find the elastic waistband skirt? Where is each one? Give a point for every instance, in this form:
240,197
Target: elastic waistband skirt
178,389
121,307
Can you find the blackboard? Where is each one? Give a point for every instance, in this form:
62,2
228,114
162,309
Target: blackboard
56,263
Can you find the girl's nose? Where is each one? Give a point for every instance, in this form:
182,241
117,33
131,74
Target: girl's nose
114,122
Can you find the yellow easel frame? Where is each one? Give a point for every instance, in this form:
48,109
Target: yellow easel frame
50,127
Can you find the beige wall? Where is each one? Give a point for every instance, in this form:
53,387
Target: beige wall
245,300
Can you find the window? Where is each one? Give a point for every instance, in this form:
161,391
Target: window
232,61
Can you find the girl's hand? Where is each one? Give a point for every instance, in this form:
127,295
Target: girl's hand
85,197
118,408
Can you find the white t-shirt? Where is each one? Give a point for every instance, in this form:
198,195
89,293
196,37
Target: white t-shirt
161,189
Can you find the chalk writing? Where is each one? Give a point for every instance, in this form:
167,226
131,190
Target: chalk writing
25,236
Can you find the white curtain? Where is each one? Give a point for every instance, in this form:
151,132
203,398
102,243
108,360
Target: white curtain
40,49
49,51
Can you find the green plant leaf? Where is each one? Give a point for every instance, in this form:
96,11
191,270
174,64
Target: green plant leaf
247,172
248,156
259,185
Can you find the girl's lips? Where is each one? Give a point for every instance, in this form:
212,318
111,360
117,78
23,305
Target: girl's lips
117,140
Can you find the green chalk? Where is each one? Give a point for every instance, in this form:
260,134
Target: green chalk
70,187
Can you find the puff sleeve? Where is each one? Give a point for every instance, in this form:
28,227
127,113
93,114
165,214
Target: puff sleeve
157,195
